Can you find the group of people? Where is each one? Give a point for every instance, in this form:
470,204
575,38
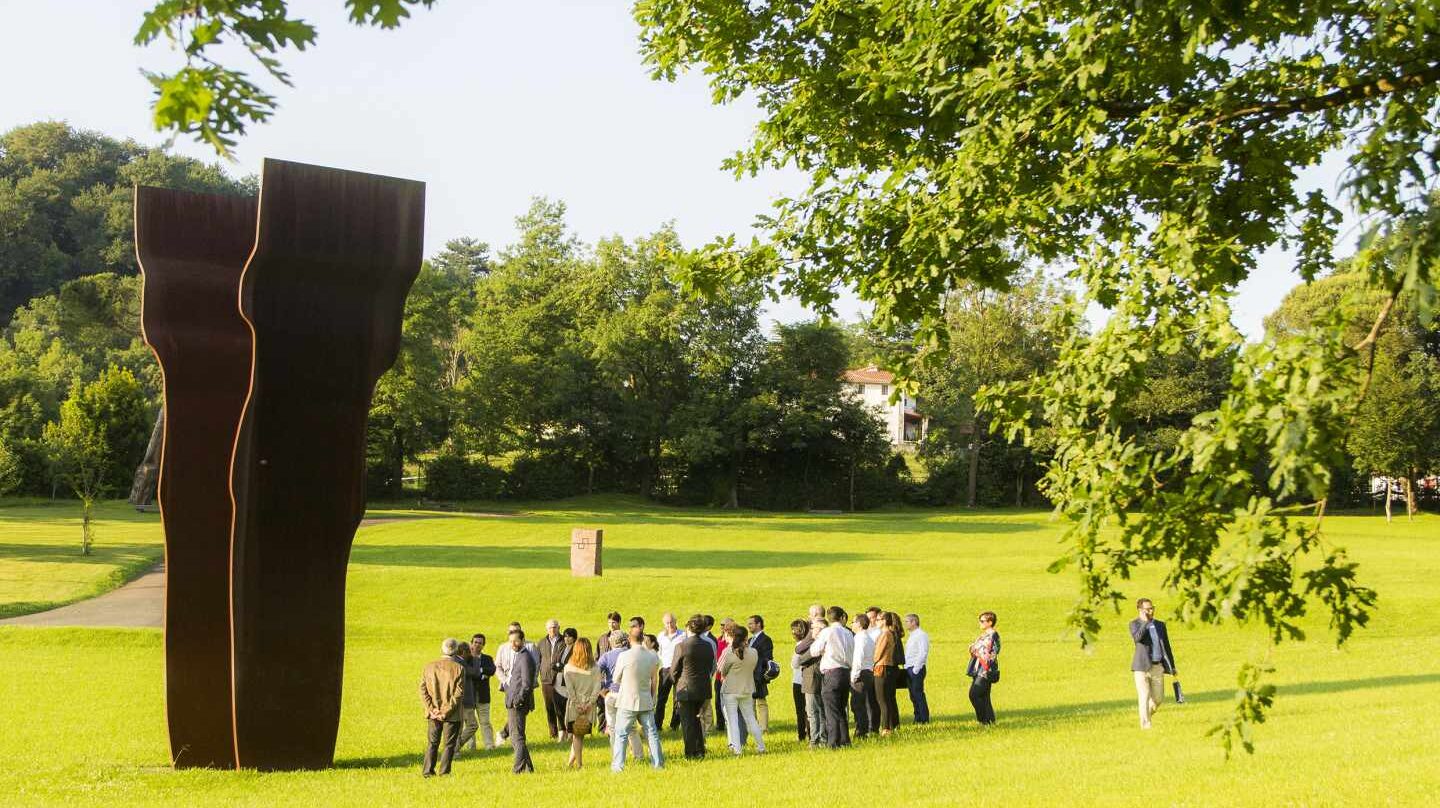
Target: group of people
844,670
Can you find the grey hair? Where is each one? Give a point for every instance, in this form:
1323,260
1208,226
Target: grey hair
448,647
913,616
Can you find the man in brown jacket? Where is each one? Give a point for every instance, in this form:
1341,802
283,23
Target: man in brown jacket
442,691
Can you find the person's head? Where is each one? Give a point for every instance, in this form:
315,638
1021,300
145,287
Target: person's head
874,613
861,622
637,630
583,656
755,624
462,650
552,628
618,639
511,627
835,614
1146,608
892,622
799,629
651,643
477,644
709,621
517,638
738,636
987,620
912,621
695,625
817,612
614,618
668,620
447,648
570,635
725,626
817,626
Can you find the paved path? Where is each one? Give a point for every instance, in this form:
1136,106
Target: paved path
138,604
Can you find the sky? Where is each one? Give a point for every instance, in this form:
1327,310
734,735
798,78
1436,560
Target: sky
489,102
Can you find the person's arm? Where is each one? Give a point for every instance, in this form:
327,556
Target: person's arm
1138,629
426,699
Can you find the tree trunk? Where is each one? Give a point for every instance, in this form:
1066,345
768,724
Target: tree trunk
1387,500
974,469
86,503
852,485
732,499
1020,487
143,488
590,479
1410,496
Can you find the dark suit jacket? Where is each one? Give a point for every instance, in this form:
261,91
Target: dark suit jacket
550,652
809,668
764,652
480,672
1143,642
693,670
519,688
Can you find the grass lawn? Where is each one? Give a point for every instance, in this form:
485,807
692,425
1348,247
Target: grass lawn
40,562
83,709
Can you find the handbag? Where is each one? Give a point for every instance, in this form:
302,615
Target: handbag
1179,694
581,724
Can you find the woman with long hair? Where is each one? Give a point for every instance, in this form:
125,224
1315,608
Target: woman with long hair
581,684
888,660
737,690
984,669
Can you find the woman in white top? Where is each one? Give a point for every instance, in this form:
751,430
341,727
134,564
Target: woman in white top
737,690
580,685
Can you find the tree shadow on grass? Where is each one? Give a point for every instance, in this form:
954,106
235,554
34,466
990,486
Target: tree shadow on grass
1062,711
558,557
939,728
897,523
70,553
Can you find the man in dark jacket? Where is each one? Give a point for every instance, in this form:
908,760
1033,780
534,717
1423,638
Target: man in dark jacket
552,647
442,692
479,670
693,670
765,653
520,699
1152,660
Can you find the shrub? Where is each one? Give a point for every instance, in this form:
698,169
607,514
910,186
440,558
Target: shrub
547,475
455,477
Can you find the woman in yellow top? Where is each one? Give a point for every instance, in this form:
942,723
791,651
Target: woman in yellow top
580,685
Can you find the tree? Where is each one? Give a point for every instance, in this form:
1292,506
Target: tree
11,470
992,337
99,437
66,199
1154,152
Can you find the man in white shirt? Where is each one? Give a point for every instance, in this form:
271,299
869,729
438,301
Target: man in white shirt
862,678
668,639
917,653
835,648
636,680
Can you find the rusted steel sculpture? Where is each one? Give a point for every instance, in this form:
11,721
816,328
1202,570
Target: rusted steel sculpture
320,298
191,248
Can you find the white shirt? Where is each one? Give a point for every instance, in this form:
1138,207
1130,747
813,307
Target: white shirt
835,646
503,657
668,643
917,650
863,658
873,632
795,667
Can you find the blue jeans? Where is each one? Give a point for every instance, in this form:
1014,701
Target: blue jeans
917,696
620,737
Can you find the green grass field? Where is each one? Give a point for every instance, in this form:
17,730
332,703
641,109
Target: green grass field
83,710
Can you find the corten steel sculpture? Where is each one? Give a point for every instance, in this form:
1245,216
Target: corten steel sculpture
191,248
321,298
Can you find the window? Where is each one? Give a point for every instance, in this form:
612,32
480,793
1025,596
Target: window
884,389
